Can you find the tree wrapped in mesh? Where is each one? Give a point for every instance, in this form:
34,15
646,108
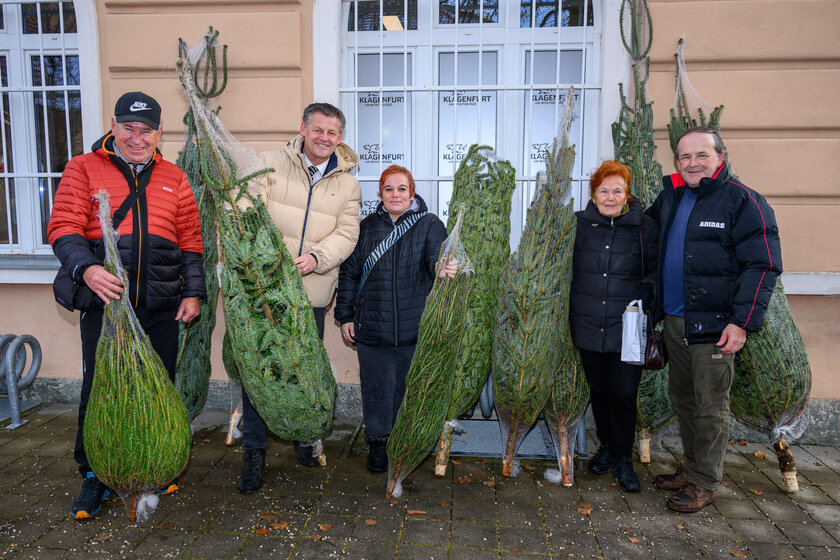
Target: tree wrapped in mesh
634,146
527,342
428,384
484,186
772,382
570,391
192,372
274,341
137,433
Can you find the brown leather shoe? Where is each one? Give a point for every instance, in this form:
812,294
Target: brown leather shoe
672,482
691,499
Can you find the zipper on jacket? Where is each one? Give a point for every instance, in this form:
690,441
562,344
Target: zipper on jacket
394,291
306,215
308,201
139,218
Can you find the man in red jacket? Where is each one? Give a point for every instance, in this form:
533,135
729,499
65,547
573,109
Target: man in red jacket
159,245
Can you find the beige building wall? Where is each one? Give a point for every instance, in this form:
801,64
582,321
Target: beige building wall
775,70
269,84
775,66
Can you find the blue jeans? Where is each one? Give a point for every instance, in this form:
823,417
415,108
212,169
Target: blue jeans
382,372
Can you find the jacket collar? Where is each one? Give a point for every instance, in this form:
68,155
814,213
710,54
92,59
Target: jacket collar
719,179
343,159
633,217
417,205
105,147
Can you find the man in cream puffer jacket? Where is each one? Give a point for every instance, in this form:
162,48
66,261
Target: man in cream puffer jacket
315,203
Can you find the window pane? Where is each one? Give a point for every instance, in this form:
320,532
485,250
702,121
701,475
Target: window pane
45,203
545,13
52,17
8,225
543,108
58,125
469,11
465,117
51,126
384,131
368,19
8,215
2,22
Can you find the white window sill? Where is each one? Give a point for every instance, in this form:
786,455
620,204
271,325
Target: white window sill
28,269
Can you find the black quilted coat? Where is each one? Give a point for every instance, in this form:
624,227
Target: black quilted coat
389,307
607,274
732,254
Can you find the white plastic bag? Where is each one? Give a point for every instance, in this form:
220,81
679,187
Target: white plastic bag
633,334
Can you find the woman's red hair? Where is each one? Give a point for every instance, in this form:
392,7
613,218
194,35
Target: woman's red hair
608,169
393,170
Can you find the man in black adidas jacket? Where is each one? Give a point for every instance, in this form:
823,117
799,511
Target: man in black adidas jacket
719,255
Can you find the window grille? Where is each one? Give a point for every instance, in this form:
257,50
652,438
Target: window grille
467,71
40,97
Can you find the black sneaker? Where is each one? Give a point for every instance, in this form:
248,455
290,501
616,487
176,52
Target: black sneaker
170,488
252,465
623,471
304,453
377,460
89,502
600,462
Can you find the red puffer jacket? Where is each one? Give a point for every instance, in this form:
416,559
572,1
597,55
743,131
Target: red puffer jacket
160,239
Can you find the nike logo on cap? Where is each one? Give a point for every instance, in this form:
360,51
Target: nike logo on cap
138,106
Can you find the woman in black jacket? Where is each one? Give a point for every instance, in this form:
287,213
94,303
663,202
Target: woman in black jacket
608,273
380,313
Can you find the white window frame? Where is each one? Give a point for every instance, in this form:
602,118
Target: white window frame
511,43
614,68
29,261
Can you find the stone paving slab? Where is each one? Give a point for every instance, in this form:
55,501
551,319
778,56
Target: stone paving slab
472,513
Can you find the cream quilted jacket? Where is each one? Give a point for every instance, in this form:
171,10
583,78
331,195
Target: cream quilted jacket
322,219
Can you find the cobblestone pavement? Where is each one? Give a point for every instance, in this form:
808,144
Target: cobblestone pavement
473,513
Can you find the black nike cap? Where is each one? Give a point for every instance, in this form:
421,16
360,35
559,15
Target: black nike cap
136,106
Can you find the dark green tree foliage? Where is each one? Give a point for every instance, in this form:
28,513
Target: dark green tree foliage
281,359
192,373
484,187
527,342
633,131
773,378
570,391
137,434
772,382
429,381
634,146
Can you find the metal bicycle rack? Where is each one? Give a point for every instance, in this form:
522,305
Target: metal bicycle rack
12,363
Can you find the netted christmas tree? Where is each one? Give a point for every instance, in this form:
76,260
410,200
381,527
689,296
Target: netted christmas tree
484,186
192,373
570,391
772,375
274,341
634,146
136,432
527,342
428,385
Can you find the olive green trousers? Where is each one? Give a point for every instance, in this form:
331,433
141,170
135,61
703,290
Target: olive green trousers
699,380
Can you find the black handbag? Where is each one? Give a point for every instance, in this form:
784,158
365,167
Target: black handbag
73,295
656,355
